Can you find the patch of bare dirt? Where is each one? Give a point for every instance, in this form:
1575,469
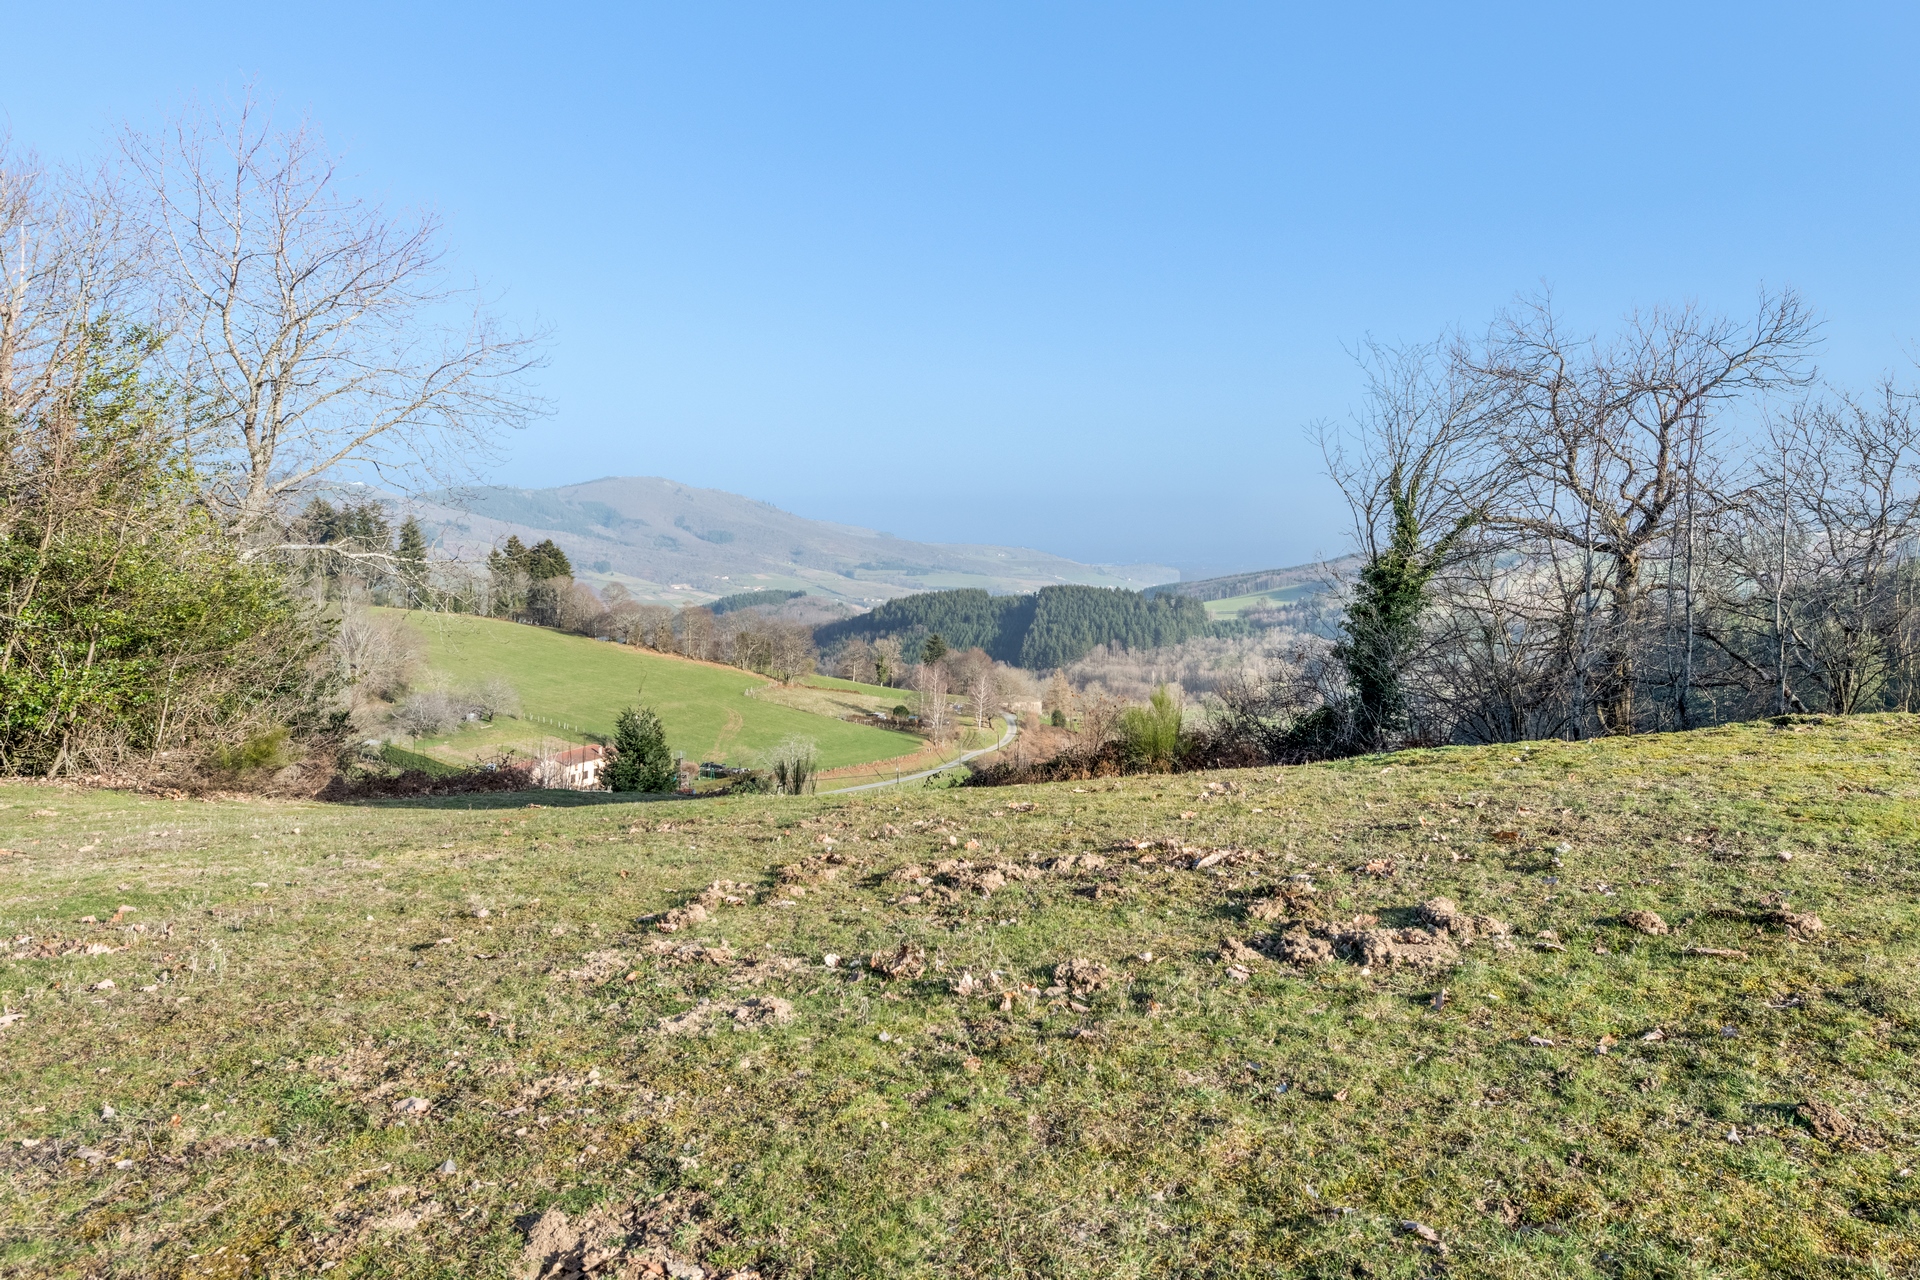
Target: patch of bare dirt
1433,944
630,1242
814,869
953,880
1300,946
707,1017
1391,948
1826,1120
692,953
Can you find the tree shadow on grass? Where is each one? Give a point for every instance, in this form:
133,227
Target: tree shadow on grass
518,800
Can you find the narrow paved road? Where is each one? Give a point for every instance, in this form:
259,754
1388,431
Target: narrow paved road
1013,727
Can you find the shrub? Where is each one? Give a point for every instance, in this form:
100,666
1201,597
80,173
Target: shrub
793,764
268,749
429,713
1151,734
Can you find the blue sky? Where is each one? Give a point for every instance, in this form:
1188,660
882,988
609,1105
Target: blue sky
1069,275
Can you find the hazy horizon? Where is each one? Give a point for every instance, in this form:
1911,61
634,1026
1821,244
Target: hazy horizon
1016,275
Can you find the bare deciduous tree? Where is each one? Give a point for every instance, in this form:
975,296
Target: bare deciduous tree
317,331
71,260
887,662
1607,442
1419,472
936,717
790,653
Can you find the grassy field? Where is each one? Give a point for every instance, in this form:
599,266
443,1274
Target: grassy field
583,683
451,1039
880,693
837,698
966,738
829,695
478,742
1234,606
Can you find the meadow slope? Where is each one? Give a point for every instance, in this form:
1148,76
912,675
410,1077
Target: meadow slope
584,683
452,1039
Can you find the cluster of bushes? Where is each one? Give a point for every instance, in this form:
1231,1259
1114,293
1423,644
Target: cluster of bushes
132,623
1114,739
359,782
429,713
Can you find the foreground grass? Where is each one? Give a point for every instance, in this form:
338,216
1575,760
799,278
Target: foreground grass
289,973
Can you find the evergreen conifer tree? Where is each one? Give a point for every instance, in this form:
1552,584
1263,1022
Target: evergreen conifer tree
641,761
411,553
546,561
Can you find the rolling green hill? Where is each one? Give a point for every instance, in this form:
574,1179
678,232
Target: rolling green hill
1150,1026
583,683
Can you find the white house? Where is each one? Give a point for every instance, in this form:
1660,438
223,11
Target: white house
578,768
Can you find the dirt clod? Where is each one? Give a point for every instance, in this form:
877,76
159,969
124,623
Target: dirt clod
1647,922
632,1240
1826,1120
1378,948
1236,952
905,961
1797,921
1297,946
1441,916
680,917
1082,977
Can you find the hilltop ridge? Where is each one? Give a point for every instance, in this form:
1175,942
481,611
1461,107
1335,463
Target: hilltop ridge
674,542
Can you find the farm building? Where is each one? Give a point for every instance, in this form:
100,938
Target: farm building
578,768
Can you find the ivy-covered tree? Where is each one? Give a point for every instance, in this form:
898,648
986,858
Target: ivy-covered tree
1382,622
1415,470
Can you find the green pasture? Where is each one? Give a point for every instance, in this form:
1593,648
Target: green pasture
582,684
1234,606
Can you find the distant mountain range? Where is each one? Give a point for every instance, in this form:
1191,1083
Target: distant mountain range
674,543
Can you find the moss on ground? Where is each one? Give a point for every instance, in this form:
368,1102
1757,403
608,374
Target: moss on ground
287,976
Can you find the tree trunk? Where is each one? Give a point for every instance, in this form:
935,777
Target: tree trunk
1615,701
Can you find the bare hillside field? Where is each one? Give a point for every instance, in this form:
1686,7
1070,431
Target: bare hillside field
1636,1008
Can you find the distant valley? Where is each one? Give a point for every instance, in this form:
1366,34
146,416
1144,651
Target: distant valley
677,544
